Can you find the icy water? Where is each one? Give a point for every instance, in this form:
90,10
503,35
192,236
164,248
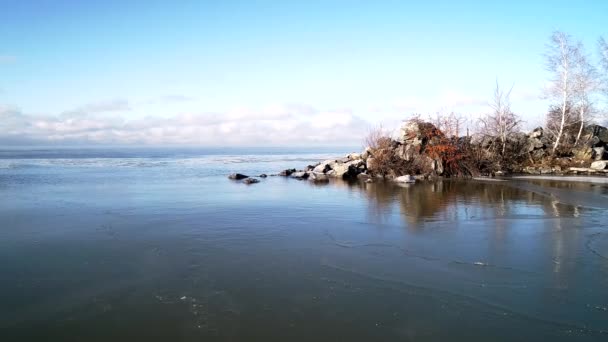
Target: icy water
144,245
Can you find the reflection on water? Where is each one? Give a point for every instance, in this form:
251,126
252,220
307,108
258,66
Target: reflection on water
465,200
152,254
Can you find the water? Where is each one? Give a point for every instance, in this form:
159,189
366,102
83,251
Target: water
158,245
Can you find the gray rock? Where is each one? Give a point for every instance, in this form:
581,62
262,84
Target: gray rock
598,131
599,153
347,170
286,173
251,181
318,177
263,175
237,176
324,166
599,165
300,174
366,153
537,133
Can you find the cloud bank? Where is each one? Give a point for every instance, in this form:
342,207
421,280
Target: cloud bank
95,124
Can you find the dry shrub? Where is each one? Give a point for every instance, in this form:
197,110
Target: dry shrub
386,161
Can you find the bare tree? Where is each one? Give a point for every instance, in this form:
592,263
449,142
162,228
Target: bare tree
501,123
585,83
451,124
561,58
603,45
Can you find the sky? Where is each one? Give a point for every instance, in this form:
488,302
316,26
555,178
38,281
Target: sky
268,73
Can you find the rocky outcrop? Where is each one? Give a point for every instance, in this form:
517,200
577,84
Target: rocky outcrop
422,151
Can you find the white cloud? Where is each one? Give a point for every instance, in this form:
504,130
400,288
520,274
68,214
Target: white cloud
274,125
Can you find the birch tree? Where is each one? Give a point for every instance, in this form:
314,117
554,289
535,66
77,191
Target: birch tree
585,83
561,58
501,123
603,45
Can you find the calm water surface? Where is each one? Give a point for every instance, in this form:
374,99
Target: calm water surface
159,246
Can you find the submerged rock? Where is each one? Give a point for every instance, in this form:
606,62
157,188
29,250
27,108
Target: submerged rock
263,175
251,181
237,176
405,179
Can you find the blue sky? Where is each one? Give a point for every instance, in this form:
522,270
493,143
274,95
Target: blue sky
267,72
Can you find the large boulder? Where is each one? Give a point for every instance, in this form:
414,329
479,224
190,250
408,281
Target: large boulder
411,133
599,165
318,177
598,131
347,170
599,153
324,166
300,175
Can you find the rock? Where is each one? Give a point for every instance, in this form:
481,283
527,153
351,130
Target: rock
347,170
499,173
250,180
363,176
537,133
598,131
318,177
354,156
580,169
599,165
324,166
286,173
263,175
531,170
599,153
366,153
237,176
405,179
369,180
545,170
557,168
370,162
535,144
300,175
410,133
